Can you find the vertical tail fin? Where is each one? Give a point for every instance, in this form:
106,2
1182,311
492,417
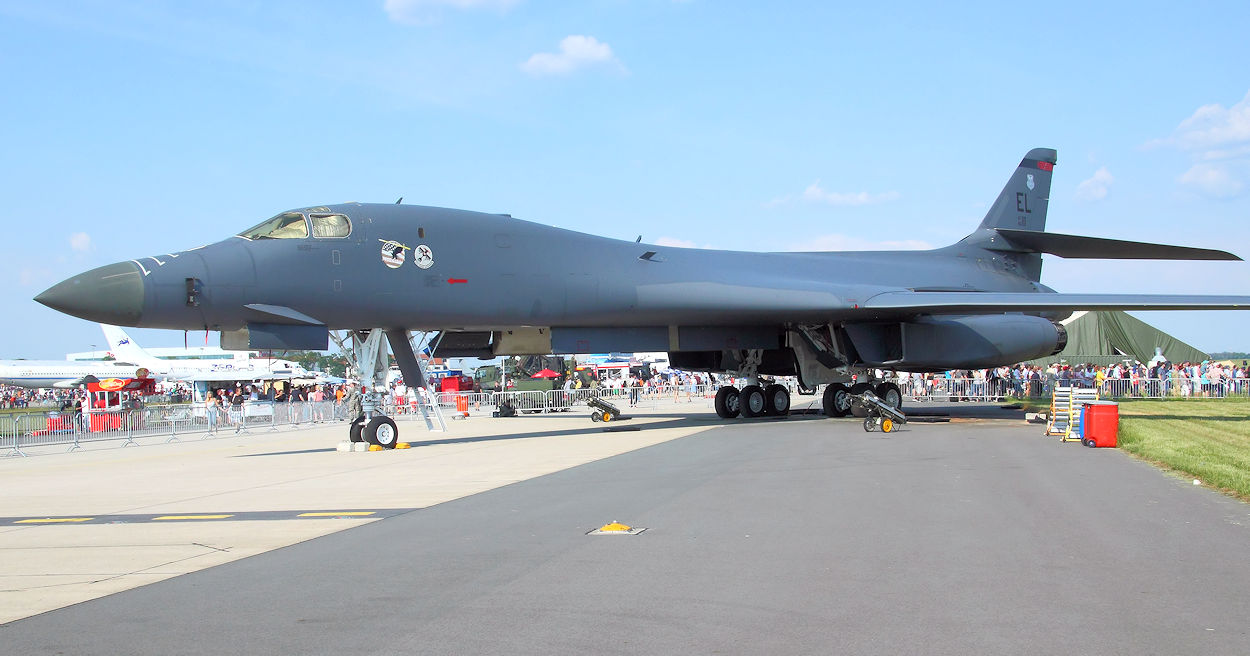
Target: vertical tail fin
1022,203
125,349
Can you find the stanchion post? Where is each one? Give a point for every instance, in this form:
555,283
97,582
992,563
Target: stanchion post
130,435
75,430
17,436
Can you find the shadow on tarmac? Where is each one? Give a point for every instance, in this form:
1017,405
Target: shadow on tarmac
701,420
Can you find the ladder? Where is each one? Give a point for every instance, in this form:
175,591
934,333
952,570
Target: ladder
1060,421
431,411
1079,396
1065,415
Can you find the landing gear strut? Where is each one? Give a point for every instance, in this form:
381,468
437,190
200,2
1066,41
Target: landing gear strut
753,400
368,356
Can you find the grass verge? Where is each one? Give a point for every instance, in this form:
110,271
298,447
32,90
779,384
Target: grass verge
1206,439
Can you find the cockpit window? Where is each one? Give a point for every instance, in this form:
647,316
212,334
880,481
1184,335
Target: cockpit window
330,225
287,225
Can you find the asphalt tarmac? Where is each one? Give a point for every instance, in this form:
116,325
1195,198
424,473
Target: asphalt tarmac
806,536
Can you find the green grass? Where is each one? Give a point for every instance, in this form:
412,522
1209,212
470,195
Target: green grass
1204,439
1030,403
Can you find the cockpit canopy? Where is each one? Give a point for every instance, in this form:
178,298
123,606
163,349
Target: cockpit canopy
295,225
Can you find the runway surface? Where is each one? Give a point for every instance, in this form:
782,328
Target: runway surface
793,537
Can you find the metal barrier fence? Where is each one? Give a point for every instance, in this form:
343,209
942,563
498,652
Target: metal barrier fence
968,389
535,402
38,429
48,428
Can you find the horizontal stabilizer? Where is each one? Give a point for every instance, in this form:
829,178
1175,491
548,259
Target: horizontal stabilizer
994,302
1075,246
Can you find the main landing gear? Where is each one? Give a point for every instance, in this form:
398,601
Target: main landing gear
752,401
837,399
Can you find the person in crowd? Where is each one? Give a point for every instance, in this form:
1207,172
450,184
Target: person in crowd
212,409
236,407
354,402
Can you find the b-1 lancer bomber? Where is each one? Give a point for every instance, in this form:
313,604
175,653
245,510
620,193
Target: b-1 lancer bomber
825,317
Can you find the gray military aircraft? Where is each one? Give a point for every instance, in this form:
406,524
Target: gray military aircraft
827,318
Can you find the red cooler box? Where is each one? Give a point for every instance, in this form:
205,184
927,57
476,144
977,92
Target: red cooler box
1101,422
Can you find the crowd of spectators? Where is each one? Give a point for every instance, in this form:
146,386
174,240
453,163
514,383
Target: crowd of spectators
20,397
1162,378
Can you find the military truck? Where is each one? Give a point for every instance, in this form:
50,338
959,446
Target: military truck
520,371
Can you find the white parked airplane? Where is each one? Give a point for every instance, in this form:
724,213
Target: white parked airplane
36,374
125,348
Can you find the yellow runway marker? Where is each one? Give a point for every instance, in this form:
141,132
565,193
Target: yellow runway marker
336,514
176,517
54,520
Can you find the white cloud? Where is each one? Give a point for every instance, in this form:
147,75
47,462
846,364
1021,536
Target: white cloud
421,12
576,52
80,241
837,242
814,193
1096,187
1212,180
1235,152
1213,126
1218,138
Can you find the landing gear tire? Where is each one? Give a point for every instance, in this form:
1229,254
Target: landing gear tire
382,432
836,401
354,433
891,394
859,388
776,400
751,401
727,402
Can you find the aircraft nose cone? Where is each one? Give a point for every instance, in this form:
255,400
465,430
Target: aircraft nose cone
111,294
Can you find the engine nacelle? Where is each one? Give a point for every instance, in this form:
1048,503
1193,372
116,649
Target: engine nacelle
963,342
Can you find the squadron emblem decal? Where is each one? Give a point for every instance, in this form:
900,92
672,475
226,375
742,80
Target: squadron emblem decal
1029,183
392,253
424,258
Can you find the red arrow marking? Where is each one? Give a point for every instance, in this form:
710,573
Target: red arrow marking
456,281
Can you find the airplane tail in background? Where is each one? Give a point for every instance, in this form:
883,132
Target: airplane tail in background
126,350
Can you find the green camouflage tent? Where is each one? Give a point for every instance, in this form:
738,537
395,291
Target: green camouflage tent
1108,337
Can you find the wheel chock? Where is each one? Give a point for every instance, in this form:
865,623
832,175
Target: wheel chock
403,445
376,447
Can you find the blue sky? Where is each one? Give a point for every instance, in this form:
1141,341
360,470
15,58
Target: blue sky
137,128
